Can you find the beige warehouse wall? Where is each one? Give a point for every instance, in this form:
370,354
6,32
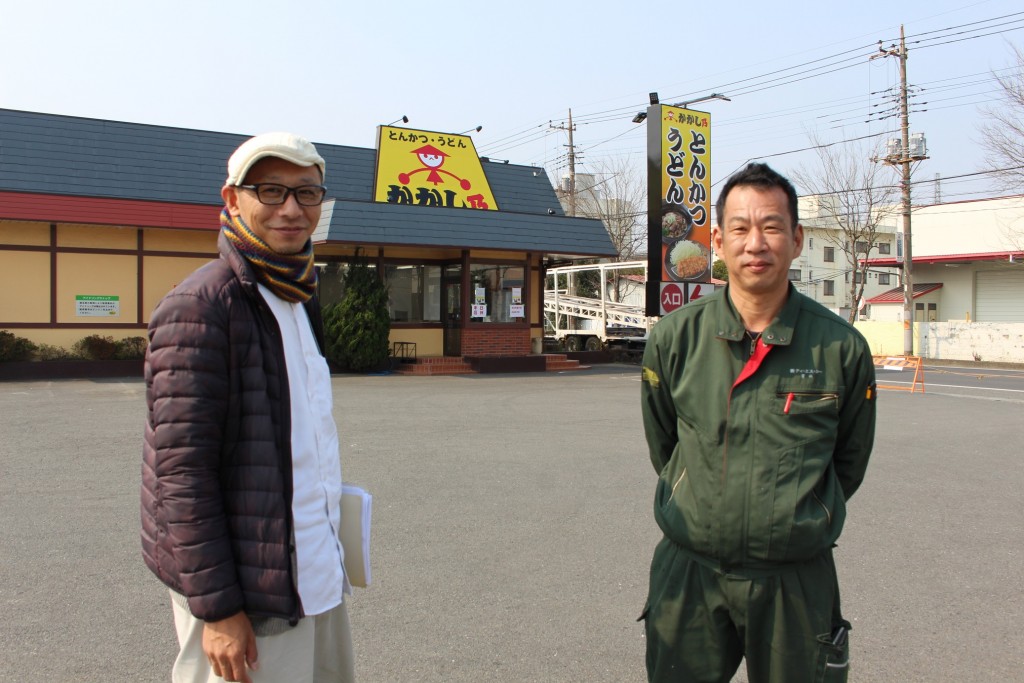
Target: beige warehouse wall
428,342
160,274
25,234
25,287
884,337
180,240
96,237
96,274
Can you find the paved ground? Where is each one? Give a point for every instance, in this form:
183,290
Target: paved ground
512,533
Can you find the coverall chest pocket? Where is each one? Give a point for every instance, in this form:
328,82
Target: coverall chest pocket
802,411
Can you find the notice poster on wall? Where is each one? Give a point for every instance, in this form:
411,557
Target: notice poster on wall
97,306
516,311
479,311
480,295
517,295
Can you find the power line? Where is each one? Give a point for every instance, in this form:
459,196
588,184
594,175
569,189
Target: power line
835,112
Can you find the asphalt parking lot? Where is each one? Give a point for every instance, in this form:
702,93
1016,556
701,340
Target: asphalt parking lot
512,533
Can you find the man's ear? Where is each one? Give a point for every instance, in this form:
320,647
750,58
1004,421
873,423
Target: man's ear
798,238
716,239
229,193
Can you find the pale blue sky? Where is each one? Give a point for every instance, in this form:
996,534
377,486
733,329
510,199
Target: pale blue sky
335,70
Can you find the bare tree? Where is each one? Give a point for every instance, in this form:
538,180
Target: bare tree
856,197
615,193
617,196
1003,135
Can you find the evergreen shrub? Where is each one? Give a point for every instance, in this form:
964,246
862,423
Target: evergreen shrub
357,328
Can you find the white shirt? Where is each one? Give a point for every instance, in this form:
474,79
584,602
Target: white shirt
316,466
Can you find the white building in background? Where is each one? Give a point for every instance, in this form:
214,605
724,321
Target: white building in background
823,270
968,264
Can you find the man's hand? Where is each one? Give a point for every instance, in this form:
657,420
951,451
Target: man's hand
230,645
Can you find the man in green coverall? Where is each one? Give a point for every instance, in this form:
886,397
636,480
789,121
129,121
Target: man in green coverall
759,411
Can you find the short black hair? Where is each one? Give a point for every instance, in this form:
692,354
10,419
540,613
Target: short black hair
761,176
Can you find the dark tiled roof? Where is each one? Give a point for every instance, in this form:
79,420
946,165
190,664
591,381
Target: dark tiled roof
362,222
65,155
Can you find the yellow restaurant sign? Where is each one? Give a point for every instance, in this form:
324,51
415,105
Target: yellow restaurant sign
678,205
424,168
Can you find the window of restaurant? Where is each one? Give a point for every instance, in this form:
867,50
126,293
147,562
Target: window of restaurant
331,281
496,293
414,293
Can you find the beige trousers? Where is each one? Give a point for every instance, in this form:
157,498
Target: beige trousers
317,650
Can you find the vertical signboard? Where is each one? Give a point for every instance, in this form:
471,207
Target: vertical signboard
678,200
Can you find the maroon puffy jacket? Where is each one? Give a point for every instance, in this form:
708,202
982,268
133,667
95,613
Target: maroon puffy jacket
216,472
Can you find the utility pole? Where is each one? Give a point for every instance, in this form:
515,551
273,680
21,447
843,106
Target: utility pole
572,165
572,170
904,160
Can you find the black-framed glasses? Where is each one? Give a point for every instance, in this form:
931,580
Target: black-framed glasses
274,194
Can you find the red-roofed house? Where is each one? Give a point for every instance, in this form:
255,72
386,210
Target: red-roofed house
968,264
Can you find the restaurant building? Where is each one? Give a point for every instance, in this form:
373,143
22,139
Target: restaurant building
100,219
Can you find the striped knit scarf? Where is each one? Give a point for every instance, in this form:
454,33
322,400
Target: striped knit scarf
290,276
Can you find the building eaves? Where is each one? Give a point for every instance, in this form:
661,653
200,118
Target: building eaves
363,222
895,295
74,156
891,262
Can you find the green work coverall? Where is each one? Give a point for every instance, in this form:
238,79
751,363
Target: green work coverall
758,446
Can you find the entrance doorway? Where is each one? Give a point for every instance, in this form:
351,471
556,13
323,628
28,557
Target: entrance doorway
451,297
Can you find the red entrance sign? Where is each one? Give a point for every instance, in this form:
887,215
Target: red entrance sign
672,297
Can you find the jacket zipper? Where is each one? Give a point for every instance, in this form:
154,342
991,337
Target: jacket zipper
675,485
828,514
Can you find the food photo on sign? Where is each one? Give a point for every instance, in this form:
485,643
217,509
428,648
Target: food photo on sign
685,254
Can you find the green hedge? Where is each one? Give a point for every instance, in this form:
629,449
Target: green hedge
92,347
15,348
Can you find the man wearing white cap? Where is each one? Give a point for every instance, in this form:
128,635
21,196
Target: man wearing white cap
241,478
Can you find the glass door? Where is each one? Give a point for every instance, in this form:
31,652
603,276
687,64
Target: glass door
451,283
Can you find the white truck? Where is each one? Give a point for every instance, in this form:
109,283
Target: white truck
615,317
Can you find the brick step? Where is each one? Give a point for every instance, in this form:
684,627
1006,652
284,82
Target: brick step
563,365
437,360
559,362
449,365
434,365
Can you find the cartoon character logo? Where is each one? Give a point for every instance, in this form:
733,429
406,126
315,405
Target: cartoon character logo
432,159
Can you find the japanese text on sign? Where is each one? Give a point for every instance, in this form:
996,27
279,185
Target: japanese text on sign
93,306
687,157
422,168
